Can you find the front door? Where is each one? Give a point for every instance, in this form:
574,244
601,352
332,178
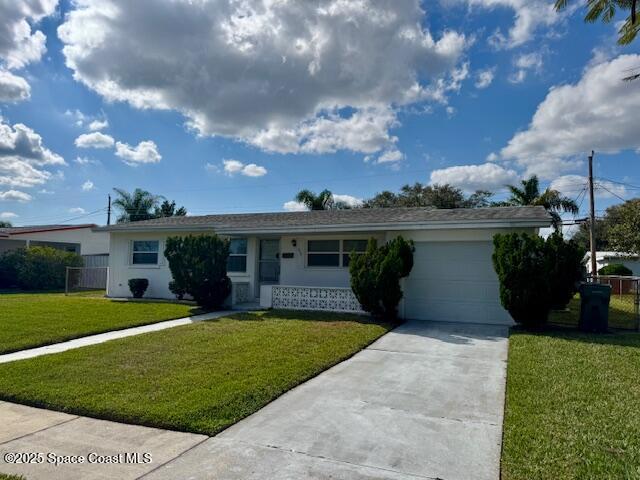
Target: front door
269,262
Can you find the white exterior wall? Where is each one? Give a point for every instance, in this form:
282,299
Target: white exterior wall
91,243
294,271
159,276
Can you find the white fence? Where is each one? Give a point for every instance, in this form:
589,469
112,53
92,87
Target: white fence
331,299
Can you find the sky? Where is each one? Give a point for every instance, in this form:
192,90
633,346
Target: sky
230,106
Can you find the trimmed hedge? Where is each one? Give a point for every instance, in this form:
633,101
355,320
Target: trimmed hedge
138,286
36,268
615,269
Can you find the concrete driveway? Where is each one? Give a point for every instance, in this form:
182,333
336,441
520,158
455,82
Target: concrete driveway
424,401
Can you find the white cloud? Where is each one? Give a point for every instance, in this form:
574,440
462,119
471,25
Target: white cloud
598,112
390,156
529,17
276,75
94,140
44,191
87,186
485,77
14,196
231,167
145,152
77,210
525,63
19,43
85,161
8,215
253,170
98,125
23,157
487,176
293,206
13,88
350,200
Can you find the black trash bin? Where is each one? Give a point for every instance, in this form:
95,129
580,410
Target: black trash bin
594,307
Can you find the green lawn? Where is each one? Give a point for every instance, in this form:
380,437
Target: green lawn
573,406
621,313
198,378
34,319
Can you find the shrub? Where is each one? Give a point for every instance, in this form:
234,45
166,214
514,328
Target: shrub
615,269
138,286
566,269
521,262
376,274
43,268
536,275
177,289
10,262
198,264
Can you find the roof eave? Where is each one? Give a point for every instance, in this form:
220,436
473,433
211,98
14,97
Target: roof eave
441,225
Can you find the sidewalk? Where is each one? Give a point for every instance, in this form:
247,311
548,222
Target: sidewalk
54,435
113,335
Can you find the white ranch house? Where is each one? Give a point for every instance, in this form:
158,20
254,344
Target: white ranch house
299,259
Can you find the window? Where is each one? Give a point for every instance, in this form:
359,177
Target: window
349,246
145,252
323,253
333,253
237,261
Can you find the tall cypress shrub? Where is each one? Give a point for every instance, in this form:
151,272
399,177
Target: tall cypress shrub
198,264
376,274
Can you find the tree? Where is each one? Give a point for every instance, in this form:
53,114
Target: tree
4,224
322,201
566,269
198,264
606,10
582,238
376,274
536,275
135,206
168,209
143,205
624,226
434,196
551,200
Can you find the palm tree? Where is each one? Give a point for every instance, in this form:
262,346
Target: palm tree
551,200
606,10
321,201
135,206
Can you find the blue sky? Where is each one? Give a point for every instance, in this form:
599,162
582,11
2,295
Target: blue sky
240,105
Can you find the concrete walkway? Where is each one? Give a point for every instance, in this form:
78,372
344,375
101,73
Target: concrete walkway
113,335
423,402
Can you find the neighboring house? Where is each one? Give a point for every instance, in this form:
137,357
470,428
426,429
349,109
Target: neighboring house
629,260
81,239
277,258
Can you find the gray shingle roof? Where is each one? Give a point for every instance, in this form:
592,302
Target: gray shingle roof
359,217
42,228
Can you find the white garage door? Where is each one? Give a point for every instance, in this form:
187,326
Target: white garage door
454,282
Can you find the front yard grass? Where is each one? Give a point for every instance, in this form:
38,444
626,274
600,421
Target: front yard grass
198,378
34,319
621,312
572,406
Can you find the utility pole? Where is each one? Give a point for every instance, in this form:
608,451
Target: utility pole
109,210
592,219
